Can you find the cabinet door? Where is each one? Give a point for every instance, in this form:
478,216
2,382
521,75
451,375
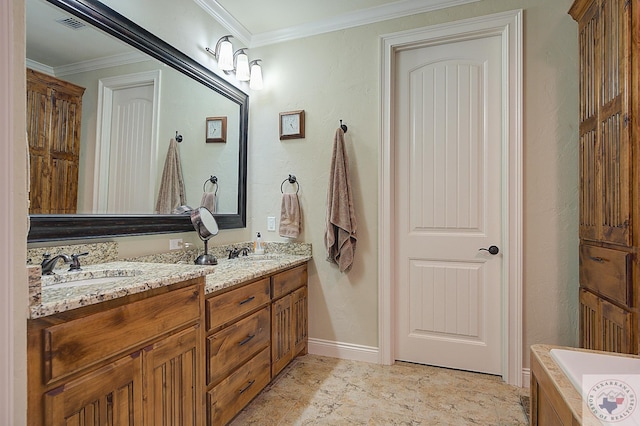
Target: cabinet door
111,395
281,334
605,123
604,326
299,322
173,394
616,328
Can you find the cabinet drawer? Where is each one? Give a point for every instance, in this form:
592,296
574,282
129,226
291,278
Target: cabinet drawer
287,281
606,272
81,342
235,344
229,306
233,393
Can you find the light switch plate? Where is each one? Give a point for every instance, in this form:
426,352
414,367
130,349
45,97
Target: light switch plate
175,244
271,223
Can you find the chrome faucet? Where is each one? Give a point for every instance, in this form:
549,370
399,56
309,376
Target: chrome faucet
236,252
48,263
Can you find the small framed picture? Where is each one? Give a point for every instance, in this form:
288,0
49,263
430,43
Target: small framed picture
292,125
216,129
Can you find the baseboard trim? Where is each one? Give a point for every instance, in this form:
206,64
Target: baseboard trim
526,377
343,350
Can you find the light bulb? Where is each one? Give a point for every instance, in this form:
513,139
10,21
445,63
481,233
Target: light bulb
256,75
225,55
242,66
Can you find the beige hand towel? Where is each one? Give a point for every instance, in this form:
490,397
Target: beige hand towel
209,201
171,193
340,233
290,216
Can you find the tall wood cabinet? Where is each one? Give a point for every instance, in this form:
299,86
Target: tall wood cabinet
54,112
609,214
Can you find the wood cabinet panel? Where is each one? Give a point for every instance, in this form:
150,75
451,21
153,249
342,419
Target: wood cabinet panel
111,395
172,380
606,272
226,399
230,306
287,281
281,334
548,407
604,326
300,324
235,344
80,343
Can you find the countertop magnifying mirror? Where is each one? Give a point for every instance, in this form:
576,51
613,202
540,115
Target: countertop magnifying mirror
178,83
206,227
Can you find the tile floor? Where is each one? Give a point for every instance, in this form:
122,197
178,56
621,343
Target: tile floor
315,390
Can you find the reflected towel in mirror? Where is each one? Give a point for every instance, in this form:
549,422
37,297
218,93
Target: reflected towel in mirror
171,193
209,201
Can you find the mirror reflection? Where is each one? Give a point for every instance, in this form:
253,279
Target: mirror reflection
101,117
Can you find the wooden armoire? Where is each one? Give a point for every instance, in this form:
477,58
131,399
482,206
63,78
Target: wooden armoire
54,111
609,183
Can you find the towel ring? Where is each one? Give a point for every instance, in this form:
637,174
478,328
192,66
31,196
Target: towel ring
291,179
178,137
213,180
343,127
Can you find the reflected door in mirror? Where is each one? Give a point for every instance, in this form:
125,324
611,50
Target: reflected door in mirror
54,109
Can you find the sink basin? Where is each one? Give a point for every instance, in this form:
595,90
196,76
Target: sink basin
83,278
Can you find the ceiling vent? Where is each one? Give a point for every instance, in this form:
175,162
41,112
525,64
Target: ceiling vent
72,23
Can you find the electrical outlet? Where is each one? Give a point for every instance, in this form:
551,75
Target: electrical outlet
271,223
175,244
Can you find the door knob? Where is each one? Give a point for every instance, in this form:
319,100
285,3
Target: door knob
492,249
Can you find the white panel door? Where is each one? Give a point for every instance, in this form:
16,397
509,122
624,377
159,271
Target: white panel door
448,171
132,154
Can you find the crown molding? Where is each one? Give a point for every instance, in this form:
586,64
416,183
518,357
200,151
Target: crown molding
96,64
220,14
46,69
371,15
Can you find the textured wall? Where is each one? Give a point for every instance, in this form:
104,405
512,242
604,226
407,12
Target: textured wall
336,76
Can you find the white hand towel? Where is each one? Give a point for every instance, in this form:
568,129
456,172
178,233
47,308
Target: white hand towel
290,216
340,233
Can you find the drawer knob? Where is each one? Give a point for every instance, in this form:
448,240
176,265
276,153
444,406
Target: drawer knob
243,390
597,259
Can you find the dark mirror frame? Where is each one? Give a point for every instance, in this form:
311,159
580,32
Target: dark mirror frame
65,227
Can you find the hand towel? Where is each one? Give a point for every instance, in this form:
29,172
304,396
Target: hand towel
290,217
171,193
341,224
209,201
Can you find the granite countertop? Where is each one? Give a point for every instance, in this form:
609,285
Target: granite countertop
125,278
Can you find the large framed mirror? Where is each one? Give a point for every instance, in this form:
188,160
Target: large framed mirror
186,96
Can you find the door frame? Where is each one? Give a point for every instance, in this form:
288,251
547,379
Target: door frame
507,25
106,87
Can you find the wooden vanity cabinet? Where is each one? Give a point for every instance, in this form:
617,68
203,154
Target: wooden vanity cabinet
289,317
237,348
253,331
608,34
135,360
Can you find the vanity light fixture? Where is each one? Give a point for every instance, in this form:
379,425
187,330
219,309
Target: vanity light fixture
237,63
223,52
256,75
